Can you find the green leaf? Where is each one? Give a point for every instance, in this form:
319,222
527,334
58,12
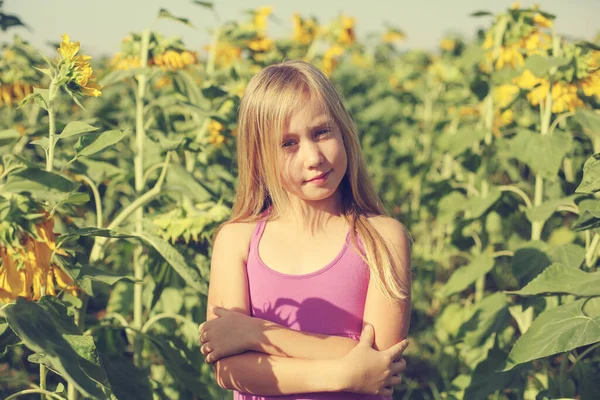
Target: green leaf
558,330
189,274
72,356
466,275
9,134
481,14
488,316
41,142
589,121
570,255
126,380
588,45
179,179
179,365
529,260
38,98
589,215
75,128
108,277
37,180
477,206
546,209
591,175
206,4
557,279
212,92
460,141
163,13
91,231
8,338
450,205
540,66
93,143
544,154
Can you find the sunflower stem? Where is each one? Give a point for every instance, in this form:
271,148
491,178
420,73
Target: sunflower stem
51,125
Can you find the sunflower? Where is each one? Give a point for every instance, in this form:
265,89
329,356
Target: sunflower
304,30
215,138
14,92
346,36
79,70
27,271
260,19
330,58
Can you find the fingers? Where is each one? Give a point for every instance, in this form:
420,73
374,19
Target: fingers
398,349
367,335
398,367
394,380
386,391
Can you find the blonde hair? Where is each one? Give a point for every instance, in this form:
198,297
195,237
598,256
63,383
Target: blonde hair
269,101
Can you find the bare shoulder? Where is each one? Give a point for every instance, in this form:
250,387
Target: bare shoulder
234,238
392,230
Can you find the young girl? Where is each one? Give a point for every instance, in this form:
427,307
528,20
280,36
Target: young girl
310,280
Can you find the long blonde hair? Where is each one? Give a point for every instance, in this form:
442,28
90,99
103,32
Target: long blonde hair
268,103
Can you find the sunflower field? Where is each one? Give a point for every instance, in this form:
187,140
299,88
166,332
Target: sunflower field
115,172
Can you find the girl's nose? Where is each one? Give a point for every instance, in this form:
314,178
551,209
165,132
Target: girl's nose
314,156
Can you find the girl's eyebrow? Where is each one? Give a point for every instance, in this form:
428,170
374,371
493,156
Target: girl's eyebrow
324,124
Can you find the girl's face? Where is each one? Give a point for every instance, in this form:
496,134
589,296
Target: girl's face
312,145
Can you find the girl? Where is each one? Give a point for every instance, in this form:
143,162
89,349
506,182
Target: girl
298,318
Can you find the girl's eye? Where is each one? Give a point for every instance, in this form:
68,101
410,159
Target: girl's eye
287,144
323,131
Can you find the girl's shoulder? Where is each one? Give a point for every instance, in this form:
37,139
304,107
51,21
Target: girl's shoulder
390,228
238,235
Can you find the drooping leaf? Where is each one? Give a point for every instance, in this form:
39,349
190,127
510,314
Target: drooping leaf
570,255
589,215
120,75
466,275
557,330
460,141
8,338
547,208
589,121
559,279
489,316
126,380
529,260
477,206
69,355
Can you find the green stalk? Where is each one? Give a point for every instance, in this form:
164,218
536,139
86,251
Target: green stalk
52,125
140,135
536,226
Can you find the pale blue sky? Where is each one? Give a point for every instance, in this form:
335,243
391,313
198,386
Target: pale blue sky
100,25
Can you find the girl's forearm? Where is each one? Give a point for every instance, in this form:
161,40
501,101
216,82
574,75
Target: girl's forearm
280,341
266,375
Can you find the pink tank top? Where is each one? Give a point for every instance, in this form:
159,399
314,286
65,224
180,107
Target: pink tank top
329,301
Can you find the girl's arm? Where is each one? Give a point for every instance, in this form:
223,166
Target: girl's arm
390,319
363,370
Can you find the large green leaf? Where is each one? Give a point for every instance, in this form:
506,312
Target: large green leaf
544,154
125,379
92,143
558,278
72,356
163,13
464,276
489,316
450,205
37,180
591,176
570,255
189,274
557,330
8,338
179,179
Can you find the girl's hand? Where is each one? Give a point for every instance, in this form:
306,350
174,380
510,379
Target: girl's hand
366,370
229,334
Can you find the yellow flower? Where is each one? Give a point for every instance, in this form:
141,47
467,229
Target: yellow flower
304,30
591,84
14,92
226,53
516,5
174,60
79,68
536,42
448,44
542,21
120,63
538,88
27,271
261,17
469,111
330,58
215,128
67,49
261,44
505,94
346,35
501,119
392,36
564,97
